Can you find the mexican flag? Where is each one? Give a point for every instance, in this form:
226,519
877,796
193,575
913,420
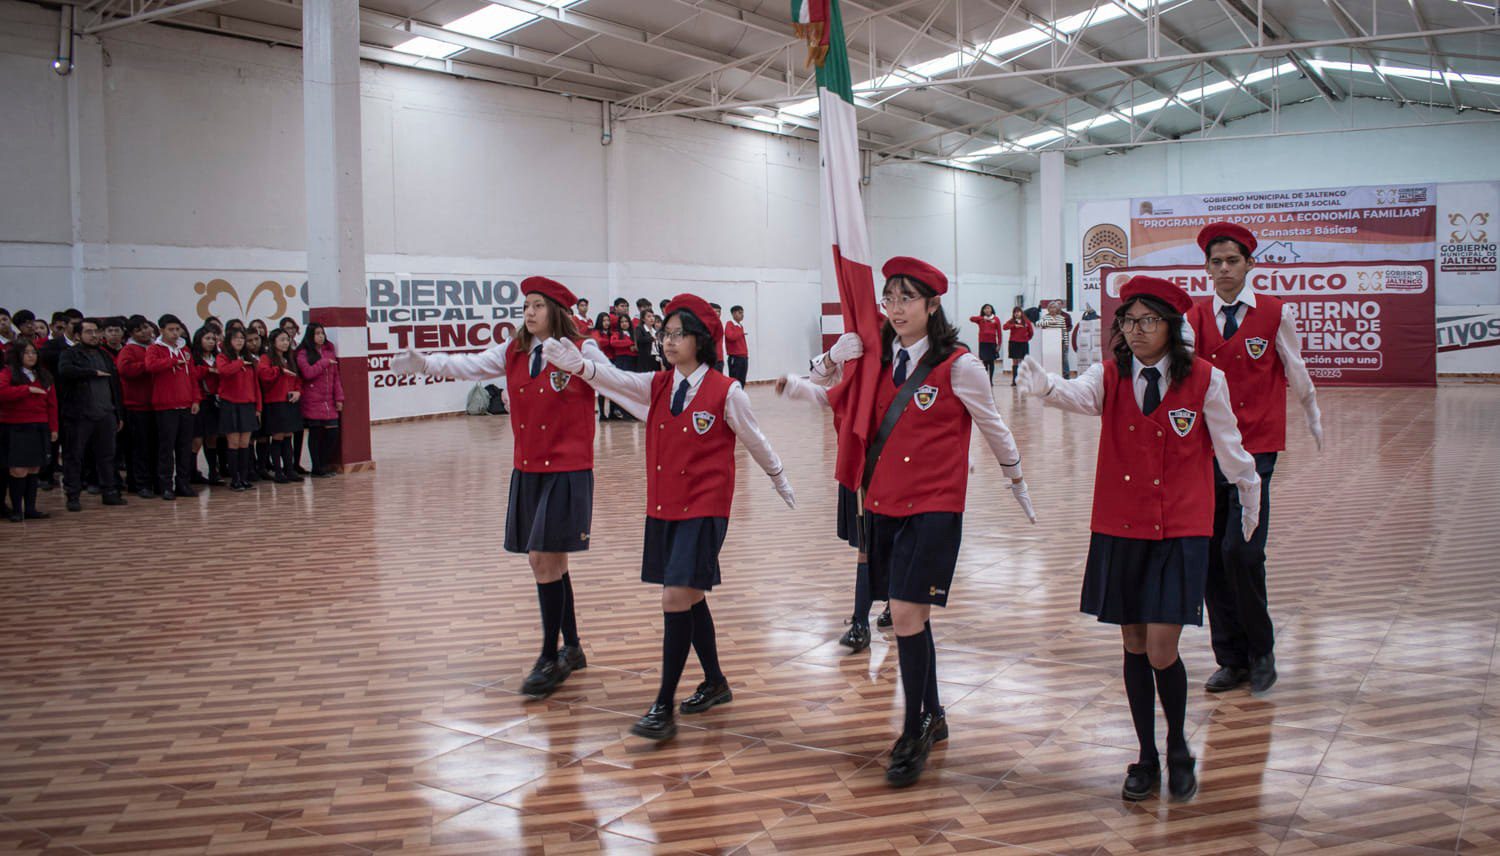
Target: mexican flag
821,24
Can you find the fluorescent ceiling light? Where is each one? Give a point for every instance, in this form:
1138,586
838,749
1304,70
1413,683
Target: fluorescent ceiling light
487,23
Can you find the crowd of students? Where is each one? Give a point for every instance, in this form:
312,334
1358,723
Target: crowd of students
123,405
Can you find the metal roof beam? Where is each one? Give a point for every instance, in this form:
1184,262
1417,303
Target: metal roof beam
1267,26
1351,27
1437,56
146,15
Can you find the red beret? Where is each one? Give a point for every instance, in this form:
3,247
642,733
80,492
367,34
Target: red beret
1225,229
1163,290
918,270
550,288
699,307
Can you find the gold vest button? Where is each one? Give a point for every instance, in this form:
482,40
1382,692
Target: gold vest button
1127,478
876,503
1132,428
1156,481
1127,526
1158,432
906,460
1156,526
658,508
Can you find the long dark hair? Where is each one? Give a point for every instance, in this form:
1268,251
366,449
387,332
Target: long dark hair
599,322
227,349
197,348
989,306
708,348
13,361
942,337
1181,356
559,325
278,359
309,346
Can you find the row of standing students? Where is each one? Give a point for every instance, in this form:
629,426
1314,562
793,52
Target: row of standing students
1179,511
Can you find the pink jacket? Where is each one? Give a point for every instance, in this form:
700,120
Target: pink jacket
321,387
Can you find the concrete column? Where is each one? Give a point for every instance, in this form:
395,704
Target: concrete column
1052,284
616,213
88,182
335,205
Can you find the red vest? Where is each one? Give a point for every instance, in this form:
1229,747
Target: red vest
734,340
1155,476
275,383
925,463
1252,367
551,416
689,457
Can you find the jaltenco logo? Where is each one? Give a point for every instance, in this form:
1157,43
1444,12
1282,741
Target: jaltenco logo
267,301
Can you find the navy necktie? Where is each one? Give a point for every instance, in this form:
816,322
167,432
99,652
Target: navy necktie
1231,313
536,361
679,399
1153,392
901,358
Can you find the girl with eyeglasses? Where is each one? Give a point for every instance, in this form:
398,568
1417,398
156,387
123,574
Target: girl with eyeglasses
1166,419
694,415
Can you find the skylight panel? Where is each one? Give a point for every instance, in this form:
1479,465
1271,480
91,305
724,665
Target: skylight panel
425,47
490,21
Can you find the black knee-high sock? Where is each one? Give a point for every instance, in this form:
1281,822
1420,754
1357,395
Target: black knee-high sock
288,460
242,463
263,453
1142,698
553,598
1171,685
31,483
912,654
676,640
17,494
862,597
296,450
569,617
706,642
1014,367
930,702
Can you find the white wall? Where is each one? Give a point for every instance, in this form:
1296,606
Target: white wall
462,178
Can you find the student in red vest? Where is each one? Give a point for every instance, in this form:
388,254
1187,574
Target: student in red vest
736,347
206,421
1253,339
693,417
239,403
1020,330
28,416
1166,421
280,392
989,338
933,393
174,399
552,483
140,422
581,321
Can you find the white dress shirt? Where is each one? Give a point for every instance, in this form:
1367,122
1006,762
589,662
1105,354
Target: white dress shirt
1086,395
632,390
489,364
1288,344
971,383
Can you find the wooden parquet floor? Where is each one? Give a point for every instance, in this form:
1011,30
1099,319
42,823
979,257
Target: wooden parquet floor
332,667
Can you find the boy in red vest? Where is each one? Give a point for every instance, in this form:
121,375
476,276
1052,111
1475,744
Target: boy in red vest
1166,424
735,345
174,399
1252,338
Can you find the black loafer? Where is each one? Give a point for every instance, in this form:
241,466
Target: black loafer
935,727
146,493
37,515
168,496
658,724
884,621
75,504
1182,781
908,758
545,676
114,499
1226,679
15,517
573,656
856,638
1141,781
706,696
1262,673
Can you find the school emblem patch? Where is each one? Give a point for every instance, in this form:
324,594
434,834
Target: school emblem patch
702,421
560,381
1256,347
925,396
1182,420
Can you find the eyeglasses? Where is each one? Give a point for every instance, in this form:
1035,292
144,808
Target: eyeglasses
903,301
672,335
1147,323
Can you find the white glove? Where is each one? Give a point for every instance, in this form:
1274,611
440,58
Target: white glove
409,363
1033,379
1314,419
1249,509
1023,499
563,354
784,488
848,347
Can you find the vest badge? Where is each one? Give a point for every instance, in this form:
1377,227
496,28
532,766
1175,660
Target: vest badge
1256,346
926,394
702,421
560,381
1182,420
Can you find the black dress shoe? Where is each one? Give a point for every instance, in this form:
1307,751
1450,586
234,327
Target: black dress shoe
114,499
658,724
279,477
325,474
573,655
37,515
884,621
168,495
706,696
214,481
857,637
935,726
146,493
185,490
93,490
1141,781
197,478
1182,781
1262,673
15,517
545,676
1226,679
908,758
74,504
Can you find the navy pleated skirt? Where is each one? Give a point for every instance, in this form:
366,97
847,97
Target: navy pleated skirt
683,552
914,557
26,444
549,512
849,524
1135,581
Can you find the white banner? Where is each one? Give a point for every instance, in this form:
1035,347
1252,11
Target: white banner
1468,226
